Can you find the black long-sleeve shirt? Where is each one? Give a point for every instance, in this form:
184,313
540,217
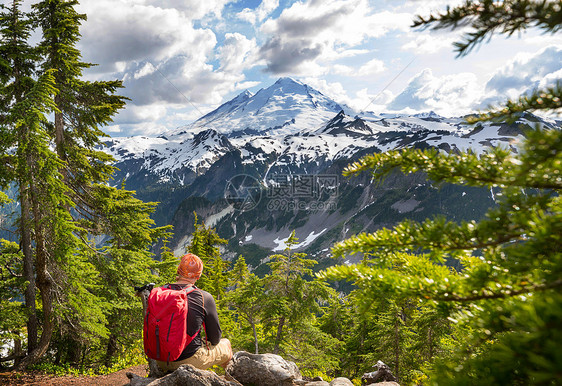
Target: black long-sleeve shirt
201,309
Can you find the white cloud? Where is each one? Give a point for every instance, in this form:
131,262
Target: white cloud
196,9
449,95
374,66
522,75
260,13
334,90
237,53
526,71
358,102
364,101
551,79
167,50
147,69
247,85
117,31
139,114
425,7
164,61
429,43
316,31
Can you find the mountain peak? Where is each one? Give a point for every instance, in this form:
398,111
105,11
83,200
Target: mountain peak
244,95
287,106
287,80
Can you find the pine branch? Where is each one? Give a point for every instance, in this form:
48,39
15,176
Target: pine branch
498,167
489,16
12,272
500,227
549,99
504,294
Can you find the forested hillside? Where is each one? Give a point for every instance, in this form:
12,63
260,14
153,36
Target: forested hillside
440,301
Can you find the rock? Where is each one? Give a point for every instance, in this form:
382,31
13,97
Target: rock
185,375
154,370
262,369
382,374
341,381
137,380
384,384
317,383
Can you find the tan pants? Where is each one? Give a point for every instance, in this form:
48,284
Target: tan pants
203,358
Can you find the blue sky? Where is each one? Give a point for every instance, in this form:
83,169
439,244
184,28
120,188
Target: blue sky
180,59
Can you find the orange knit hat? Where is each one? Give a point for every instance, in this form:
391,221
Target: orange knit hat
190,266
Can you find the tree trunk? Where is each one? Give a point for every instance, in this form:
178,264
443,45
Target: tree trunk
59,129
44,284
28,272
397,346
111,349
25,218
251,320
17,351
430,339
279,335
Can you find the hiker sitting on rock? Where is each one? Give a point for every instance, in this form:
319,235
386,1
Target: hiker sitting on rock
176,313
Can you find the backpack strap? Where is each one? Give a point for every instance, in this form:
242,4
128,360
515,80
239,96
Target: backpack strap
193,288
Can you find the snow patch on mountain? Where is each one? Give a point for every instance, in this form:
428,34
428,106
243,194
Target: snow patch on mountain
281,243
289,124
286,107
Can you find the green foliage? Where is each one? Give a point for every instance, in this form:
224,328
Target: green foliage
503,304
246,299
167,268
381,320
12,285
205,244
83,244
290,309
133,356
510,260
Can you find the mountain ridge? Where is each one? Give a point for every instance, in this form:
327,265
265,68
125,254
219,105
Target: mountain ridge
190,168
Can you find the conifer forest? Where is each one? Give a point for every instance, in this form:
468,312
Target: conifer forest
440,302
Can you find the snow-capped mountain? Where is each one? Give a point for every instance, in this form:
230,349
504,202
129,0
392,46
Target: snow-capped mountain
288,106
288,133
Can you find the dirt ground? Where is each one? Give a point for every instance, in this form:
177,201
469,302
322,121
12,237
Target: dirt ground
118,378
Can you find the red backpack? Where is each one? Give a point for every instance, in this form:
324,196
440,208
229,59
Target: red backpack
165,324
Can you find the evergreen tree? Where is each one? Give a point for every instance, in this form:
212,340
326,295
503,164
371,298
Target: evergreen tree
505,301
123,261
38,167
85,286
17,68
205,244
246,298
167,268
293,302
403,332
12,286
